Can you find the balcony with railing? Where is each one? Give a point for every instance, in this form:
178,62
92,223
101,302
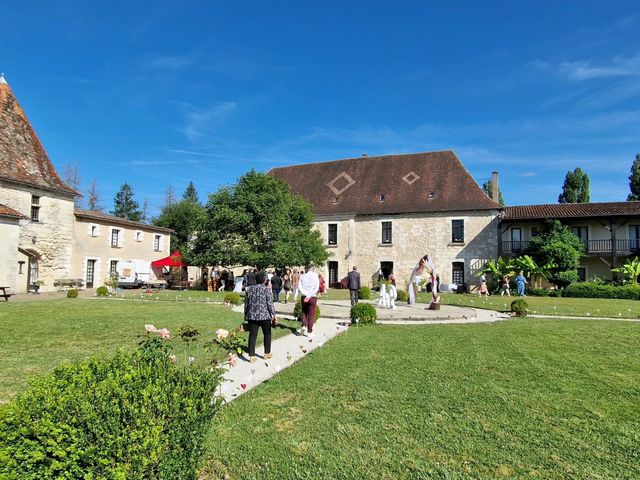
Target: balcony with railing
592,247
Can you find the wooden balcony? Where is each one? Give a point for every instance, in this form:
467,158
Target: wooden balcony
592,247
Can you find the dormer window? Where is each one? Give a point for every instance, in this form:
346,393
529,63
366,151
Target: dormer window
336,199
431,195
35,208
382,197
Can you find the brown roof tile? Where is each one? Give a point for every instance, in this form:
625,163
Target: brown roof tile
105,217
354,186
10,212
571,210
22,157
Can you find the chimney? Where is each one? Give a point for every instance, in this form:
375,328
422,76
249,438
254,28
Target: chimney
495,190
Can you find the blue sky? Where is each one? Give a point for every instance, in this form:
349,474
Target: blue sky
164,92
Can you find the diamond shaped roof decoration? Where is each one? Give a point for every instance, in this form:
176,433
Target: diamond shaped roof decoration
341,183
411,177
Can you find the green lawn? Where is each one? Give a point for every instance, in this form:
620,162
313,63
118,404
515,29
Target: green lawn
38,336
519,399
587,307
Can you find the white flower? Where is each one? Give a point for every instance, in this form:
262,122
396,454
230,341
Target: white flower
221,334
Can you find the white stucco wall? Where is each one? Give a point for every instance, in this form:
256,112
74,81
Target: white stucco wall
9,233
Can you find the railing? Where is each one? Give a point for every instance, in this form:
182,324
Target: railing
623,247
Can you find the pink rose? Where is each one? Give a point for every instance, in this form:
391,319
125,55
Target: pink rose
173,358
150,328
164,333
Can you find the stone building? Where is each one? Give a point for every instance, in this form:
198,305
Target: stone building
43,238
386,212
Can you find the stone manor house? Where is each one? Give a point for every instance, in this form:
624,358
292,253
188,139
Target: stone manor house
43,238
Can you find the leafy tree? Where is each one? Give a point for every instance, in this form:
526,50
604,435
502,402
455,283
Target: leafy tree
559,249
93,200
191,193
488,189
183,217
575,188
257,222
530,268
125,206
634,180
631,270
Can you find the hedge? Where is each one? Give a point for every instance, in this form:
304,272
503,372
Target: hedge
233,298
599,290
363,314
364,293
130,416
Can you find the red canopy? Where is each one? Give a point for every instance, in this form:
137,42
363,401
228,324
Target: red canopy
173,260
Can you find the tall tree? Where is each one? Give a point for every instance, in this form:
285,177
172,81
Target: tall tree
72,178
488,189
257,222
93,200
183,217
169,195
634,180
559,250
575,188
191,194
125,206
145,211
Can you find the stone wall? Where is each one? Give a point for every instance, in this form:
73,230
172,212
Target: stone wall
9,233
413,235
49,239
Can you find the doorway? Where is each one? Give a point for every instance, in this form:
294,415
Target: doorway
32,274
91,268
387,269
333,273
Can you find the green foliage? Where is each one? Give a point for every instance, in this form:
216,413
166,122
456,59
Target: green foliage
364,293
634,180
560,250
191,194
72,293
530,268
232,342
363,314
519,307
403,296
575,188
183,217
102,291
125,206
631,270
257,222
297,311
233,298
131,416
538,292
599,290
488,189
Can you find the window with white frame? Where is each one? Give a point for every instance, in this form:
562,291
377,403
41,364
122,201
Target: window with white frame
387,233
115,237
332,237
457,231
157,242
139,236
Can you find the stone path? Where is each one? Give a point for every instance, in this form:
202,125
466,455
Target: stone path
334,321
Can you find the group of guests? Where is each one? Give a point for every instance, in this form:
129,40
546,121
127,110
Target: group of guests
505,287
260,296
282,280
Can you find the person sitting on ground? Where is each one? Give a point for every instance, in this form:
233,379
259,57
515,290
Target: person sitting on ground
259,313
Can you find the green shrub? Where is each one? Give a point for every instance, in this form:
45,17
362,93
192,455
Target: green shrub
555,293
233,298
538,292
364,293
72,293
363,314
102,291
600,290
519,306
297,311
403,296
131,416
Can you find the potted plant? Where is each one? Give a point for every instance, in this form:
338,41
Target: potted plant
36,285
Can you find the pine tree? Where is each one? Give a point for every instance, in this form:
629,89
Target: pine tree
93,200
634,180
191,194
575,188
145,211
488,189
125,206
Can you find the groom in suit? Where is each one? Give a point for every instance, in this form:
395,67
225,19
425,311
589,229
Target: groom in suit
353,284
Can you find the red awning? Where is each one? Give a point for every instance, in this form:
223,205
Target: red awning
173,260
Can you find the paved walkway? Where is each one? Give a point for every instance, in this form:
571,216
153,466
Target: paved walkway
334,321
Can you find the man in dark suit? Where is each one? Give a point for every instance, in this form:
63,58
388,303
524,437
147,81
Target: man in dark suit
353,284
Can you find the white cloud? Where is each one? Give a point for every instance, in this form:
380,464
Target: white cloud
586,69
199,122
169,62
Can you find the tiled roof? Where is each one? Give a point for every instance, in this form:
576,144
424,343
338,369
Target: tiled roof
22,157
417,182
105,217
9,212
571,210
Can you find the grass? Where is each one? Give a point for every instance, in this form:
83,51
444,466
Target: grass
585,307
520,399
38,336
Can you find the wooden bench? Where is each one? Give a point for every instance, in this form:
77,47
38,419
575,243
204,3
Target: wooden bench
4,293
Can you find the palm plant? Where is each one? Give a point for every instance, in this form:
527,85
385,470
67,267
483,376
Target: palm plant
497,268
631,269
531,269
